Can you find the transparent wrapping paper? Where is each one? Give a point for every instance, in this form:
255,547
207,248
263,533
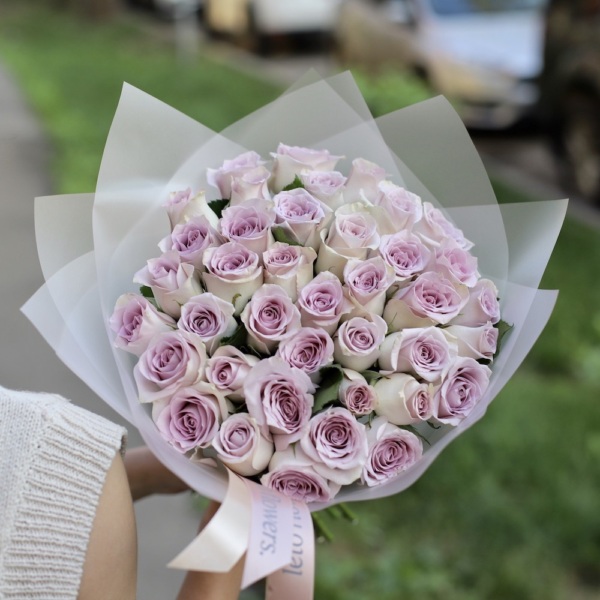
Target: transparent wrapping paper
90,246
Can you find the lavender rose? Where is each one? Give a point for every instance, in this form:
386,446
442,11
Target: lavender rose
182,206
357,342
135,322
209,317
405,253
172,282
309,349
436,228
190,418
280,398
221,178
251,184
326,186
249,223
482,305
241,446
363,180
402,400
227,370
403,207
290,267
367,282
457,263
270,317
464,386
172,360
356,394
391,452
295,477
233,273
337,444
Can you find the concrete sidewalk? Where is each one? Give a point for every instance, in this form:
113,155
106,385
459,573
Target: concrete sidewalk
165,524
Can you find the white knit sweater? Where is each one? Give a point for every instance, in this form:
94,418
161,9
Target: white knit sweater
54,457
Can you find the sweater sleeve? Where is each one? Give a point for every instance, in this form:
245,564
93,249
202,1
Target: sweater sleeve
54,457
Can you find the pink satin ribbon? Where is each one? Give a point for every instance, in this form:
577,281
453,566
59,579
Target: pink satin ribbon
274,531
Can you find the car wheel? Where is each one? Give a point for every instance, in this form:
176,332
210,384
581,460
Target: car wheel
581,143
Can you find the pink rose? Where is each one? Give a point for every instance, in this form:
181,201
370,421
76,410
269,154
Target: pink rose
240,445
405,253
249,223
227,370
280,398
190,418
326,186
172,360
403,207
322,303
426,352
182,206
476,342
357,342
270,317
309,349
482,305
190,239
363,180
302,215
209,317
233,273
459,264
436,228
290,267
135,322
292,160
251,184
356,394
337,444
403,400
367,282
391,452
172,282
234,168
461,390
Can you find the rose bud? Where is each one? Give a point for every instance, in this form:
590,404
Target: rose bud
290,267
367,282
249,223
403,207
357,342
482,306
227,370
402,400
251,184
356,394
309,349
435,228
457,263
476,342
405,253
326,186
182,206
363,180
234,168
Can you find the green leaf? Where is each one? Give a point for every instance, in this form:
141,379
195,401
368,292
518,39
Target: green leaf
283,235
503,329
217,206
417,433
371,376
147,292
237,339
331,377
297,183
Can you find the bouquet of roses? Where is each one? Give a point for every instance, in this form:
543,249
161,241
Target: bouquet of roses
306,328
321,322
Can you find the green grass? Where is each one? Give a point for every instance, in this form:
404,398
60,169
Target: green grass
510,510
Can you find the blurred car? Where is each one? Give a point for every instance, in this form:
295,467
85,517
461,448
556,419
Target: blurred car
485,56
570,91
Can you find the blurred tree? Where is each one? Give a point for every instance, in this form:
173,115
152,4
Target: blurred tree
96,10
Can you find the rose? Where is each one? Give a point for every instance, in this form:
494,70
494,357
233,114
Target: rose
233,168
391,451
190,418
251,184
426,352
172,360
309,349
405,253
301,215
240,445
357,341
430,298
270,317
477,342
190,239
322,303
363,180
280,398
367,282
172,282
209,317
403,207
337,444
232,272
326,186
459,264
293,475
249,223
464,386
182,206
402,400
290,267
227,370
135,322
482,305
436,228
356,394
292,160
